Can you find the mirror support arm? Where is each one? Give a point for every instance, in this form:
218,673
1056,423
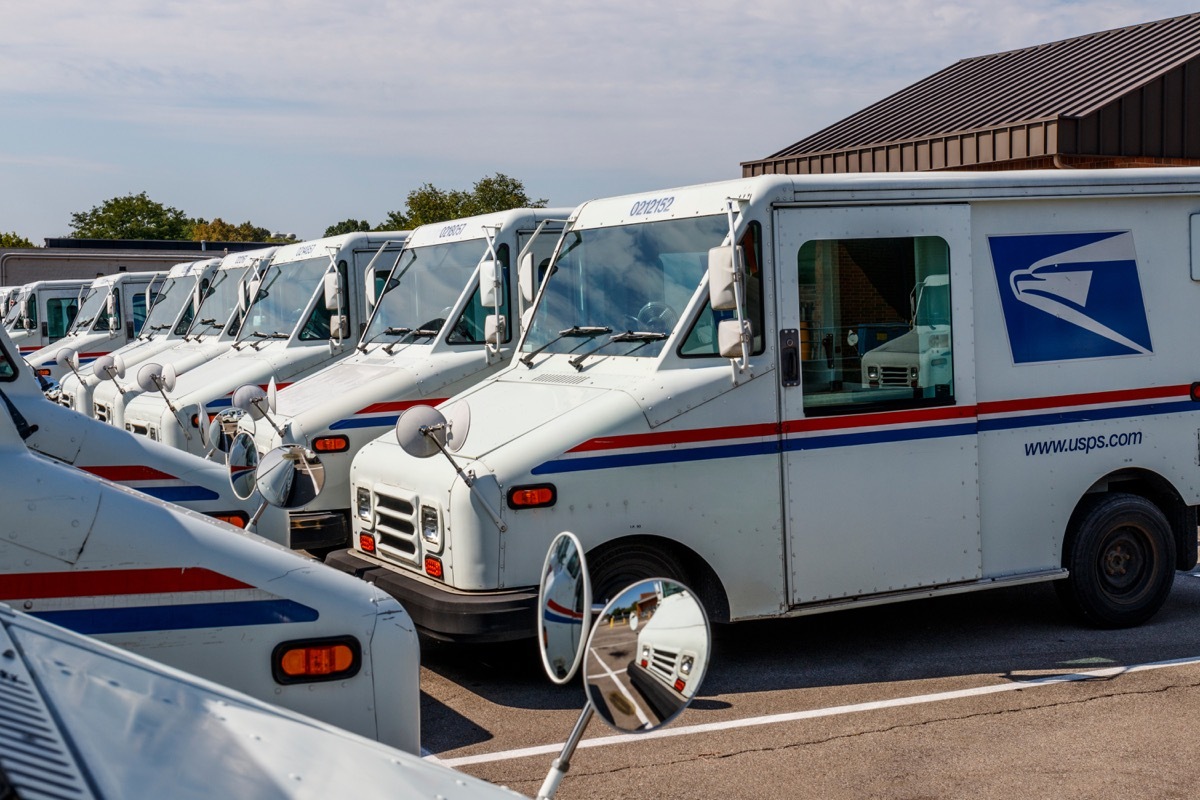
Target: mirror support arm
560,765
427,431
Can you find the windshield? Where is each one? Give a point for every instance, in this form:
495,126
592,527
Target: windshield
284,294
634,278
92,314
172,297
422,289
934,306
219,303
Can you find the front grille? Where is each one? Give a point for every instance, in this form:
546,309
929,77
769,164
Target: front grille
65,399
396,523
138,428
100,411
893,376
663,661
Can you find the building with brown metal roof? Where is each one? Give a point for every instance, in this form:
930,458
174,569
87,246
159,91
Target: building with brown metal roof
1128,97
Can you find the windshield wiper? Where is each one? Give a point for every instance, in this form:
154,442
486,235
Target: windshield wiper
644,337
388,331
589,331
265,337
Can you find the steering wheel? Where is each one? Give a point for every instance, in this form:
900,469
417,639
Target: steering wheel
657,317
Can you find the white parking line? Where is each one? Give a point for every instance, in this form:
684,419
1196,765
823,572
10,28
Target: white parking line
771,719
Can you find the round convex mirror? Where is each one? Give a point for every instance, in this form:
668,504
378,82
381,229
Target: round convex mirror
565,600
647,655
222,429
242,460
290,476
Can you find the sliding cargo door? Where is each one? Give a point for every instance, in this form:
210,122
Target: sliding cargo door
879,448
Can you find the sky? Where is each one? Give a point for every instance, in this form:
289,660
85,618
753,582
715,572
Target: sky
298,115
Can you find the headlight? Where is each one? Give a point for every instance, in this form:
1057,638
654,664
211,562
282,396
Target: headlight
645,653
685,665
431,529
939,340
872,372
362,503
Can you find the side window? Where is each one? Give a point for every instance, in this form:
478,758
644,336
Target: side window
701,340
469,328
140,307
8,366
60,313
31,309
875,324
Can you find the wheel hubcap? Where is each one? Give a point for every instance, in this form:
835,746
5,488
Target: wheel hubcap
1124,562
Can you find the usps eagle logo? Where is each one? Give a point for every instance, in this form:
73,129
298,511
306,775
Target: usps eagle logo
1070,295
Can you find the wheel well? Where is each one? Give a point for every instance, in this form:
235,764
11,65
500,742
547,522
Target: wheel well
694,570
1156,489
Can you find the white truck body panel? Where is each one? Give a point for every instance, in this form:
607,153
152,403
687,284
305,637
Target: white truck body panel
197,594
787,482
181,736
294,347
360,396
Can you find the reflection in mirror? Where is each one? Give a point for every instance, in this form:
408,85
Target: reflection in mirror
223,428
564,597
647,655
290,476
243,460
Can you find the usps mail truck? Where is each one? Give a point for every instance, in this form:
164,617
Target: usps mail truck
197,594
428,338
211,332
41,312
175,301
688,398
110,315
305,313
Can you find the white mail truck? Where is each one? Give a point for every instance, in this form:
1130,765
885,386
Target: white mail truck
688,399
111,312
305,312
427,339
41,312
197,594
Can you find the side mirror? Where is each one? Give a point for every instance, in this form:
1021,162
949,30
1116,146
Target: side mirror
242,461
731,334
490,289
67,358
565,598
250,398
650,649
223,428
722,277
369,289
339,325
333,291
109,367
493,329
527,278
290,476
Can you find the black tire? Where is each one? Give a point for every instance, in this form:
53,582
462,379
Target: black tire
615,567
1122,562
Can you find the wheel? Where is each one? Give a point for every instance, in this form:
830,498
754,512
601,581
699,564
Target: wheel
657,317
615,568
1121,562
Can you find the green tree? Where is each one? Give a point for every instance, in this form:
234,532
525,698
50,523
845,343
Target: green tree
348,226
430,204
221,231
13,240
134,216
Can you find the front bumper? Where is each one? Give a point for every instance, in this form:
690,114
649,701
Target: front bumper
443,613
